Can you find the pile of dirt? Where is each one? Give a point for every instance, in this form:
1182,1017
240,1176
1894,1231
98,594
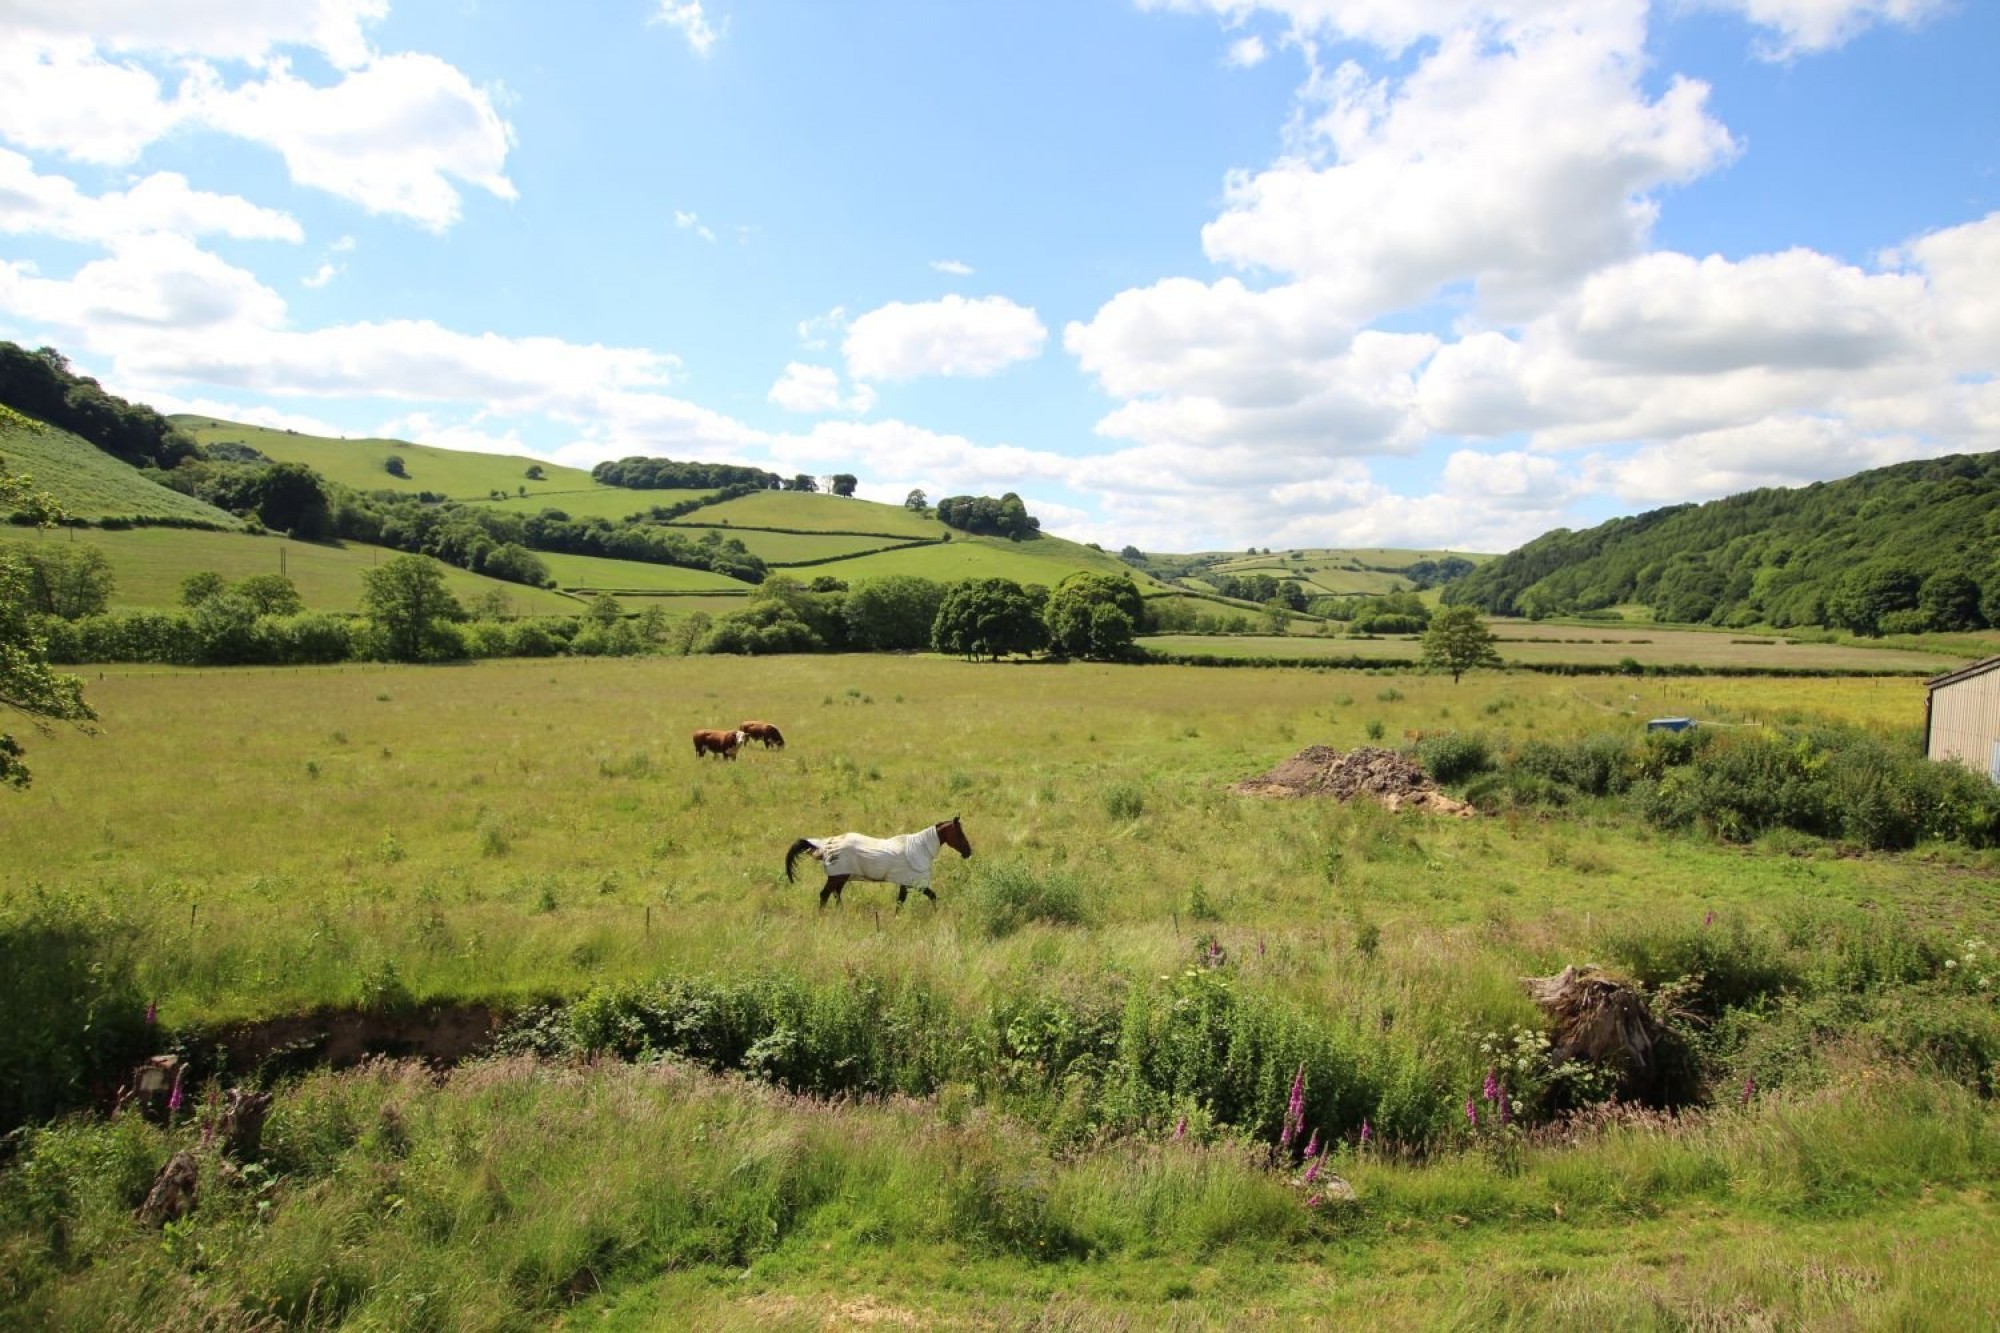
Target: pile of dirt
1396,780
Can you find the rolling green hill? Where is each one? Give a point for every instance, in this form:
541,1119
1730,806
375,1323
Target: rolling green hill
1900,549
806,511
149,564
360,463
90,483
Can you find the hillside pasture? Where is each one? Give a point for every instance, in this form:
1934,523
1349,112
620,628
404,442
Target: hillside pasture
360,462
90,483
784,548
150,563
615,503
802,511
591,573
1046,560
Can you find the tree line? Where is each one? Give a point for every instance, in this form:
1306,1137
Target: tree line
42,385
1901,549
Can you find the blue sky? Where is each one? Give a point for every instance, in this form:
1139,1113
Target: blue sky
1187,274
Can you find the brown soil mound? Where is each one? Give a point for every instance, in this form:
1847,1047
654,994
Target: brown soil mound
1396,780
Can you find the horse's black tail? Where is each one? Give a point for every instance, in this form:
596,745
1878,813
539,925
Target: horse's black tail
803,847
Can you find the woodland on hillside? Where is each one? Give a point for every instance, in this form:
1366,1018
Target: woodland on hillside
1899,549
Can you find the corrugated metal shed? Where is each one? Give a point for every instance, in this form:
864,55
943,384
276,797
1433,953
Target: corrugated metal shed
1962,717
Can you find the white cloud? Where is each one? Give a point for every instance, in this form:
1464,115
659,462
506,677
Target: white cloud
59,95
245,30
32,203
686,15
1246,53
321,276
154,289
816,333
1665,346
952,336
1772,451
1516,165
395,134
692,222
1805,26
392,137
816,389
956,268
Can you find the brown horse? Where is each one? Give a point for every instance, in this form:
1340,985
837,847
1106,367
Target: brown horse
904,861
763,731
723,743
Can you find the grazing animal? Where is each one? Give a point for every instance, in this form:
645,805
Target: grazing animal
765,732
904,861
723,743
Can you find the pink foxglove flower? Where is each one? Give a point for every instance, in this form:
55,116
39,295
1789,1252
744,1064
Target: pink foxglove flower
1472,1112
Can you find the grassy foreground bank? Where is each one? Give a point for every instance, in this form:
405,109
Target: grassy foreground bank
1003,1079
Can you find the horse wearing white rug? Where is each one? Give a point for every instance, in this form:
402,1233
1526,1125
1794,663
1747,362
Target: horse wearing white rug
904,861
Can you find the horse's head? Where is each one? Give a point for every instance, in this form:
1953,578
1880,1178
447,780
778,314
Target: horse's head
952,835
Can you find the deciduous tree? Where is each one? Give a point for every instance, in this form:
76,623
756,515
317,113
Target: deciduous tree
407,600
27,685
1458,641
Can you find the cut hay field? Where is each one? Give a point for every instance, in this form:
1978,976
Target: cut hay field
90,483
150,563
359,462
255,843
1656,647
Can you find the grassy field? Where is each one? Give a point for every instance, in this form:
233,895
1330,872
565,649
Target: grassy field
263,842
1558,646
359,463
780,548
90,483
1047,561
149,564
612,502
817,513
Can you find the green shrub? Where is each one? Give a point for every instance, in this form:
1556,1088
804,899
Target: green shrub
1009,895
76,1021
1455,757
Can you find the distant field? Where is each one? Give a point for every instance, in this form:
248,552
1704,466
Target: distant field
612,502
1668,648
683,604
149,564
1046,561
780,548
90,483
358,463
816,513
592,572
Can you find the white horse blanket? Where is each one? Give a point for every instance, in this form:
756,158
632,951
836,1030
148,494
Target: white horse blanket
904,860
